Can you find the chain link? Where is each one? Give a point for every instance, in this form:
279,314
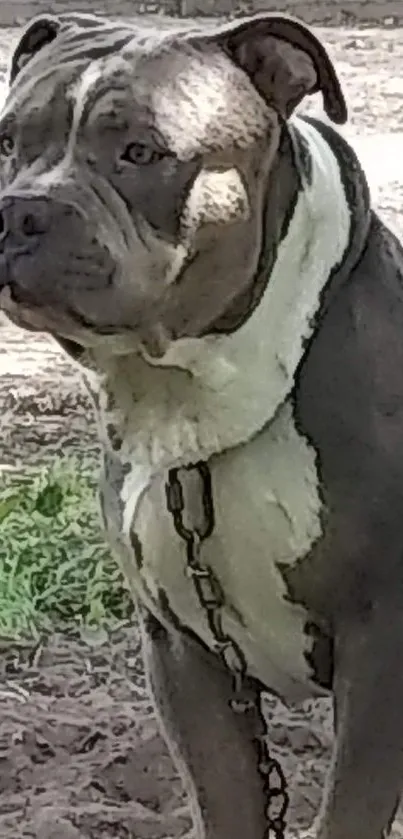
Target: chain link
211,598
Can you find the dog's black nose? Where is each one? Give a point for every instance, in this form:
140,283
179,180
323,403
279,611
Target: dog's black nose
22,219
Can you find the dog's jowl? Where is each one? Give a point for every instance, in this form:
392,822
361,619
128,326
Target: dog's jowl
213,262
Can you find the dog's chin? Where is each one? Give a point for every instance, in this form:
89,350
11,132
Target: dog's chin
21,322
78,334
29,316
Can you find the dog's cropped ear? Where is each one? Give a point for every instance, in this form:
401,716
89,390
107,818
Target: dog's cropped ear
284,60
37,34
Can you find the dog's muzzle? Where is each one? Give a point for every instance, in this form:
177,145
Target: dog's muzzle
48,254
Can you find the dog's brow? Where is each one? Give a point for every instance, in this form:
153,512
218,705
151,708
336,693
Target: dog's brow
104,102
101,81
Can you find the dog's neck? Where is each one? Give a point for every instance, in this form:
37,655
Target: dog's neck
213,393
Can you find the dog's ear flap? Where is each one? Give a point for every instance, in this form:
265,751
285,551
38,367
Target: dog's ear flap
284,60
38,34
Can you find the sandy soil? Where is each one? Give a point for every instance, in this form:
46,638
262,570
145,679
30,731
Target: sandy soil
80,755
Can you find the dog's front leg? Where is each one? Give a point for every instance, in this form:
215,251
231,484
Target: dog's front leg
212,746
366,778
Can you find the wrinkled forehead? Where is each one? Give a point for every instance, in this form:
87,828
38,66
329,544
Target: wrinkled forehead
66,60
199,99
188,91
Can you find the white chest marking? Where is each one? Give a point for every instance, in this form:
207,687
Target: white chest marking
267,511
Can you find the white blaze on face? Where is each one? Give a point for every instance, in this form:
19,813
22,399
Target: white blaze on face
202,101
217,197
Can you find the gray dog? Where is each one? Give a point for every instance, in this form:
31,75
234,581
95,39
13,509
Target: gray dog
213,262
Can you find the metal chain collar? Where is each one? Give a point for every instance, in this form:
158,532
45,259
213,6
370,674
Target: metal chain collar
211,598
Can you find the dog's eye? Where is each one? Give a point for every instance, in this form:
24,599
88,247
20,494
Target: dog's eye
7,145
141,154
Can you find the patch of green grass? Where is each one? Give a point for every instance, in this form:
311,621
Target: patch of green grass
55,568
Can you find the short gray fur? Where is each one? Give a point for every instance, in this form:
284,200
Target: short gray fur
124,261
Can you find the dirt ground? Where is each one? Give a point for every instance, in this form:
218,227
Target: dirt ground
80,754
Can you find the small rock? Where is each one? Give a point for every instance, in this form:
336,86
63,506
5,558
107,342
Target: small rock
51,826
93,636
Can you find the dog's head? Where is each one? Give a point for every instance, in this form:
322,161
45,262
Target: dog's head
134,165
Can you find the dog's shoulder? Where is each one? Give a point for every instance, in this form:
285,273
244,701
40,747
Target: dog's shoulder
349,388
